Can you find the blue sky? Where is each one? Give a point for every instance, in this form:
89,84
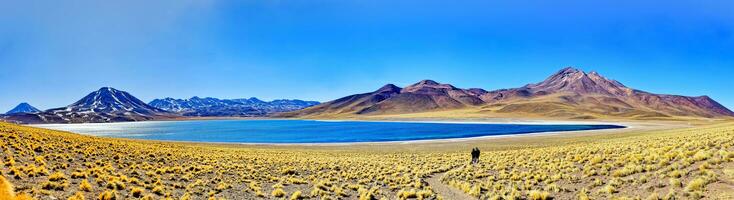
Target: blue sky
54,52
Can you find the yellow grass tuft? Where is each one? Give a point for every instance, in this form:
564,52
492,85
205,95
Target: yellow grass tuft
608,189
58,176
582,195
675,182
108,195
77,196
278,192
137,192
158,190
696,185
296,195
538,195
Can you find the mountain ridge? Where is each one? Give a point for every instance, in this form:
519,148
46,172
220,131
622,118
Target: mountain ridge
108,104
214,107
569,93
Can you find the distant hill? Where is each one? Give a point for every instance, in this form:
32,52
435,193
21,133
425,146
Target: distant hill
104,105
213,107
570,93
23,108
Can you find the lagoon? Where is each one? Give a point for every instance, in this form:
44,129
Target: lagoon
308,131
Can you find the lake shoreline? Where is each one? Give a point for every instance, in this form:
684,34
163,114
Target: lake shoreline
625,126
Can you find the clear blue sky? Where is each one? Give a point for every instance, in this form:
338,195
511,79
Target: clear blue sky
55,52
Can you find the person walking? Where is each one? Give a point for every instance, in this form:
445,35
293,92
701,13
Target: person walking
475,155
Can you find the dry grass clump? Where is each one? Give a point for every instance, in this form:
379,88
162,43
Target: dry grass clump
538,195
297,195
77,196
278,192
137,192
108,195
696,185
158,190
657,165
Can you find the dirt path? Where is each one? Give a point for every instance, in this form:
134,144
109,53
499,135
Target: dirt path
447,192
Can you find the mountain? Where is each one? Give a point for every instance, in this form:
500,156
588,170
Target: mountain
104,105
423,96
23,108
574,93
569,93
213,107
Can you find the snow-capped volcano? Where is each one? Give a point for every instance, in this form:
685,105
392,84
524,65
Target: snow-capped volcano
104,105
23,108
110,100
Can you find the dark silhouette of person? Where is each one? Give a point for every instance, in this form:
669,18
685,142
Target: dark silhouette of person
475,155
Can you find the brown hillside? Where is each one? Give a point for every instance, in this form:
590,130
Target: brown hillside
570,93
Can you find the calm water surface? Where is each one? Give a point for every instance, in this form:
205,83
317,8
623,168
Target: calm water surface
305,131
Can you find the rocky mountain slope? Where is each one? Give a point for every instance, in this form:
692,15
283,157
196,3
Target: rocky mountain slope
208,106
23,108
104,105
570,93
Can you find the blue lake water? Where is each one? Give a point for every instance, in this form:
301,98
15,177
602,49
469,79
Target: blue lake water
306,131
